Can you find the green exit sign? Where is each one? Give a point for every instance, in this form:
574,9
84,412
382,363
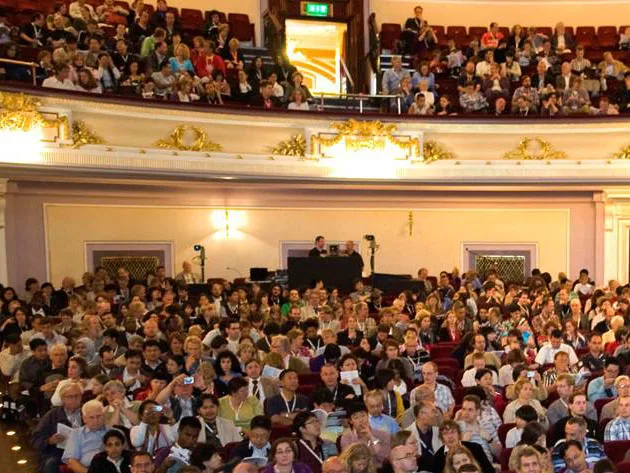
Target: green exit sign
316,9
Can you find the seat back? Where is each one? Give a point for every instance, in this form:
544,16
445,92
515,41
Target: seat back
503,431
390,33
607,36
457,34
616,449
585,35
546,30
476,32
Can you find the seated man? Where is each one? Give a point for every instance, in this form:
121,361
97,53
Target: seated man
361,432
526,459
392,77
559,408
215,430
281,345
478,363
469,420
577,408
575,429
174,458
604,386
256,444
561,366
444,399
547,352
312,449
86,441
179,396
330,379
379,421
574,458
480,344
622,385
619,427
425,432
596,357
282,408
451,436
45,437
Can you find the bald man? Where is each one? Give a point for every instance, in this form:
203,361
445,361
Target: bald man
403,460
353,254
187,276
333,465
245,468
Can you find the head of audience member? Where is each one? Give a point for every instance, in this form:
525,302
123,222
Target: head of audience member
259,431
141,462
611,369
450,433
39,349
425,414
188,432
429,373
358,458
526,459
358,418
524,390
71,395
403,460
93,415
307,426
573,455
457,457
334,465
575,429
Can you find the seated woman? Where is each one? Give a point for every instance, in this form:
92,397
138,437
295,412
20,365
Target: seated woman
283,458
423,74
207,458
87,83
297,101
111,13
351,336
119,411
358,458
457,457
77,372
232,55
134,80
226,367
298,78
181,63
450,331
238,406
525,397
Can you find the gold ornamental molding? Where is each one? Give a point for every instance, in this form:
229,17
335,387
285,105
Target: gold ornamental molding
294,146
20,113
623,153
83,135
433,151
365,135
526,152
188,138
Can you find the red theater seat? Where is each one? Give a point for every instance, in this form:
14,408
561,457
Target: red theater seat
191,19
240,26
457,34
607,37
222,17
503,431
390,33
616,449
477,32
585,35
546,30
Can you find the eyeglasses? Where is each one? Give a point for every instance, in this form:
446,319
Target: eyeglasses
409,455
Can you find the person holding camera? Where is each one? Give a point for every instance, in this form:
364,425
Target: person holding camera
151,435
179,394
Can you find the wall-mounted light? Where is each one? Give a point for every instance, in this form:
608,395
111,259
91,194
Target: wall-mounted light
228,223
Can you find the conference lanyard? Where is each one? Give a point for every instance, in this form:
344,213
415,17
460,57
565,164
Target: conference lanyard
306,446
286,403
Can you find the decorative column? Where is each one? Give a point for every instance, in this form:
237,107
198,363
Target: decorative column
599,199
4,273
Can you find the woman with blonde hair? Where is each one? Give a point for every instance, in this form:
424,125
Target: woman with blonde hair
232,56
524,391
358,458
181,63
458,456
245,353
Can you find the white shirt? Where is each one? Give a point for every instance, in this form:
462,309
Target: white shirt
546,354
10,364
261,392
54,83
468,379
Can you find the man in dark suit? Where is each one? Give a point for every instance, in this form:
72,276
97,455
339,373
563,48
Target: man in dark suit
542,78
157,57
256,445
319,249
265,99
45,438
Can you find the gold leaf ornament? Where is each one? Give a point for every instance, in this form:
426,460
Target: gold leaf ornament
526,152
294,146
623,153
433,151
365,134
82,135
180,139
20,112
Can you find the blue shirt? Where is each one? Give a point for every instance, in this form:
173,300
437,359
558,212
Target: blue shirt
597,391
176,66
83,444
385,423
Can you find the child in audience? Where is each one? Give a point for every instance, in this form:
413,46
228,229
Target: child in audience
524,415
114,458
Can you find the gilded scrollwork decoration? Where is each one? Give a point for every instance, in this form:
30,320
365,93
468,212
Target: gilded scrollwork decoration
433,151
542,150
20,112
370,135
83,135
623,153
188,138
294,146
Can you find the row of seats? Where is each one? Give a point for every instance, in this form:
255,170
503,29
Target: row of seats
587,36
191,20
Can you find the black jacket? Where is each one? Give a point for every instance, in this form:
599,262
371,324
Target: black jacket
100,464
